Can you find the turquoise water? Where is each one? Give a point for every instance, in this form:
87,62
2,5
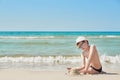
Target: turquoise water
55,43
44,50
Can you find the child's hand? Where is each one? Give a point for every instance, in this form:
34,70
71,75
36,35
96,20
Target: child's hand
83,71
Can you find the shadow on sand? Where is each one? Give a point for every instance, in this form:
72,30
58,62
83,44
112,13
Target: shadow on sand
109,73
112,74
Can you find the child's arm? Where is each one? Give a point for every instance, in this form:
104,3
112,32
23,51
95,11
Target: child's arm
83,62
91,53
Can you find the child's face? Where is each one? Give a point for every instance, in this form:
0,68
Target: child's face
82,45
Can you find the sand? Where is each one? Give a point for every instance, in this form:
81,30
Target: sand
21,74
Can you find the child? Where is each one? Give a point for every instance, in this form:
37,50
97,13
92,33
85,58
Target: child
90,58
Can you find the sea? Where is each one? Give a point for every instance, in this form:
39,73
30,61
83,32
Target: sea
54,50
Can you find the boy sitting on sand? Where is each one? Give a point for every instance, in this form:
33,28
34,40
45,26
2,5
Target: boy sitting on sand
90,58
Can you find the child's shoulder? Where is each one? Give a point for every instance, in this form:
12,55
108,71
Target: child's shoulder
92,45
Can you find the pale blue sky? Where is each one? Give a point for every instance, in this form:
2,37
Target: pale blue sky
59,15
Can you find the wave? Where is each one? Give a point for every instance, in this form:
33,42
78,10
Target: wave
56,59
110,59
39,59
102,36
109,36
26,37
35,37
51,37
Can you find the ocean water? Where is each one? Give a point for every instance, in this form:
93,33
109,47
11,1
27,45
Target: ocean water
54,50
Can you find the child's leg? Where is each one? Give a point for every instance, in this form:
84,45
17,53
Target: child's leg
92,71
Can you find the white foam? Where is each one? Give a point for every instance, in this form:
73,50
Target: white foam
110,59
111,36
56,59
39,59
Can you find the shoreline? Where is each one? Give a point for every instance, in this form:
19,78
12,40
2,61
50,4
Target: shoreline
106,67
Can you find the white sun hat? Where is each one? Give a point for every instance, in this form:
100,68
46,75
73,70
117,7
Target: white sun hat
80,38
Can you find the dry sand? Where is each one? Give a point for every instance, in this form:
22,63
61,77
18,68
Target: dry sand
21,74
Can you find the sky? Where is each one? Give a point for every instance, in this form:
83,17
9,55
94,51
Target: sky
59,15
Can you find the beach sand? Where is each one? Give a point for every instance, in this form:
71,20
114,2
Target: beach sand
21,74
